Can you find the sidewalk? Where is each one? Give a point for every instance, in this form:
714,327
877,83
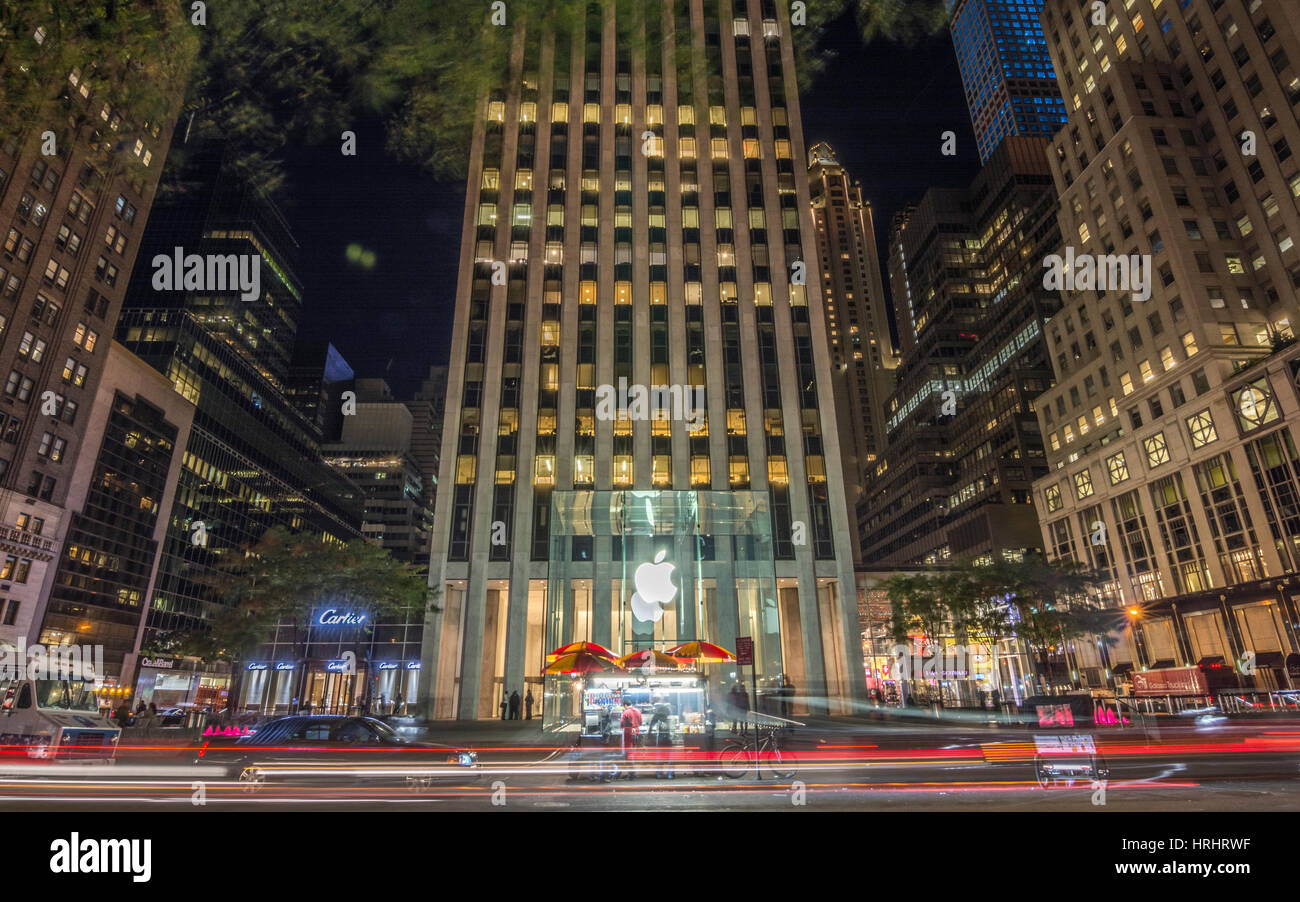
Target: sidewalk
489,733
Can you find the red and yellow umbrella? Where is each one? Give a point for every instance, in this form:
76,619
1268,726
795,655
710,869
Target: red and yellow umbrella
574,648
701,653
583,662
649,658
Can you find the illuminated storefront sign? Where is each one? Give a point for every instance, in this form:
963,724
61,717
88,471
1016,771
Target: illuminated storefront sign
283,667
332,617
256,667
654,589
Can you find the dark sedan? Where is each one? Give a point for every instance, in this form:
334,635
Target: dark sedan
335,748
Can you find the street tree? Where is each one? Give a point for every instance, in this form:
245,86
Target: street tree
1044,604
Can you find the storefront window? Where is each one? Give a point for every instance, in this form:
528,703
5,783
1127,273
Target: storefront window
660,590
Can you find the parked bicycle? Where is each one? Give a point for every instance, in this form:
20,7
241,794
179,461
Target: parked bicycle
738,754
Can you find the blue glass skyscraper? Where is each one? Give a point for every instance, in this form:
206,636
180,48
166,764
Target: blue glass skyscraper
1005,68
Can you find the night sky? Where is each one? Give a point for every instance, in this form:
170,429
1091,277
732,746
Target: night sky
883,109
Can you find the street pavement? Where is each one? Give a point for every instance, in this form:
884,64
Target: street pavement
838,764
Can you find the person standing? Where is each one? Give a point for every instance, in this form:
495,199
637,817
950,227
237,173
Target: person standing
528,705
146,718
514,705
123,714
505,703
630,721
742,702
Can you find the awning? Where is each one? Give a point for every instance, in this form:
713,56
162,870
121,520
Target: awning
1126,667
1210,660
1163,663
1269,659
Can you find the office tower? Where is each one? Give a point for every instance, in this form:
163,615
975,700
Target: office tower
252,461
374,452
318,377
71,221
1006,70
639,260
1170,431
118,500
900,291
863,359
964,446
428,409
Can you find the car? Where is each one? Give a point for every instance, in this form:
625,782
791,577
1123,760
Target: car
313,748
173,716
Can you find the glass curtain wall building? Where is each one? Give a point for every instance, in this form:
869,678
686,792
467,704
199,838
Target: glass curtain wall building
1006,70
639,182
252,460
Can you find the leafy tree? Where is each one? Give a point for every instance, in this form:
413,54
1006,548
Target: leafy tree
134,55
271,72
284,576
1045,604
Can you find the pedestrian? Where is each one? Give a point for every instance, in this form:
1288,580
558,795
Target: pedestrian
505,703
528,704
514,705
145,718
663,738
123,714
997,704
630,721
742,704
787,696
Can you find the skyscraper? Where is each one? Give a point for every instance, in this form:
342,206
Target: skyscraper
964,446
428,411
252,460
374,452
1005,69
73,202
640,186
1170,431
863,359
119,499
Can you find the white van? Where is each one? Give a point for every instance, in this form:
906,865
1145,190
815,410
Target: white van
54,719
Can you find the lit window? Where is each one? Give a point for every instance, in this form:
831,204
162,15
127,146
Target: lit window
1054,502
544,469
1157,450
1083,484
1201,428
1126,383
1117,468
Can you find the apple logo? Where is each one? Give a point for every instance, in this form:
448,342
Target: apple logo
654,588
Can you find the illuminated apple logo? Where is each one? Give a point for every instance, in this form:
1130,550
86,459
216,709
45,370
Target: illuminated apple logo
654,589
